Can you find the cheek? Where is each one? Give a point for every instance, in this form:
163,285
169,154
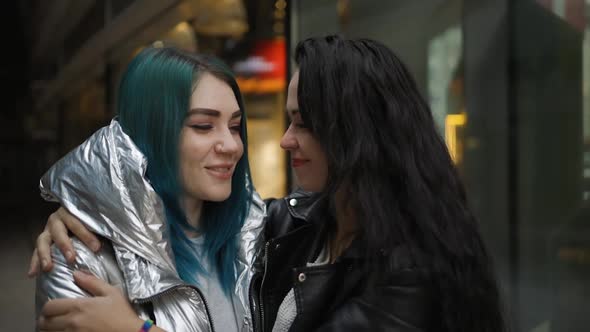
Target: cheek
320,158
315,150
240,144
192,150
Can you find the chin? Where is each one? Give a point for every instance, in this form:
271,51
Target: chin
217,196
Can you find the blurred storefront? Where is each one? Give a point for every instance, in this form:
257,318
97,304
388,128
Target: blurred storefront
509,86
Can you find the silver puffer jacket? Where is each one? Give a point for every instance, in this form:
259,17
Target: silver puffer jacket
103,183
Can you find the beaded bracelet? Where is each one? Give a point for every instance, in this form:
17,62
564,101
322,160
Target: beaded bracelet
147,325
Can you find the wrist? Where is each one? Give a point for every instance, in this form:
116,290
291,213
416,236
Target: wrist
134,324
145,325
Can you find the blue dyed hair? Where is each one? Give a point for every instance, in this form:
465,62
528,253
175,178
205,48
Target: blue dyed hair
154,98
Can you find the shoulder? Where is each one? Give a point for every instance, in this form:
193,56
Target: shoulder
295,203
102,263
59,282
256,214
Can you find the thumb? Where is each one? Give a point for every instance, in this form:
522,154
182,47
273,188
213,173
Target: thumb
92,284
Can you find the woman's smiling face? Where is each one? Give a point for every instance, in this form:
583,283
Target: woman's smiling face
210,143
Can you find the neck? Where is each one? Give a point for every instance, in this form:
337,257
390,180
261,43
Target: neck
346,225
193,209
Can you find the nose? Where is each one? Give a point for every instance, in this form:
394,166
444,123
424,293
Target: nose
228,143
289,141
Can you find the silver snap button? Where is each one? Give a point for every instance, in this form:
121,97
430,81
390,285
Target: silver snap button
302,277
292,202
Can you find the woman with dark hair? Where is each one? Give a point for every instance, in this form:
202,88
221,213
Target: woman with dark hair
387,241
167,188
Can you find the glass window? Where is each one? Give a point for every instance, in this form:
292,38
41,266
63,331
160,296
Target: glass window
509,87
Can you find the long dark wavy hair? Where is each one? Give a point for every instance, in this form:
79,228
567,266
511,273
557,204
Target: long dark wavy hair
363,106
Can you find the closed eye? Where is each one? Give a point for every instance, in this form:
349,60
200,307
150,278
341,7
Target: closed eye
202,127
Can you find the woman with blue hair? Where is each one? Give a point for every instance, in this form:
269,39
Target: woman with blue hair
166,187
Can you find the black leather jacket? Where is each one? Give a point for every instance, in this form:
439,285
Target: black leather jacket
332,297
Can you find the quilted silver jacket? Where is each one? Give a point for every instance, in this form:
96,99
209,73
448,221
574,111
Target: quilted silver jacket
102,182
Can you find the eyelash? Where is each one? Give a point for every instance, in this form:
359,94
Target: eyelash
236,128
202,127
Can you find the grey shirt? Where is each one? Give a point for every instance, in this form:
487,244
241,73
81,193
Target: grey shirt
220,305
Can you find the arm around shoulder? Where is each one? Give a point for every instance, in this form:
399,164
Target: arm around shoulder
59,282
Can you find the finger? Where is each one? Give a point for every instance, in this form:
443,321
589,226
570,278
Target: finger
44,251
59,234
33,265
92,284
79,230
60,307
53,323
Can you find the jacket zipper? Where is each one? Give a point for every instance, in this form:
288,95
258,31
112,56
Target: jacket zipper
255,313
170,290
260,300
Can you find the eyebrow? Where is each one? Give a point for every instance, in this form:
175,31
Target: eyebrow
212,112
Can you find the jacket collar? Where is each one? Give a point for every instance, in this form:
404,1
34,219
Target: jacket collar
314,209
303,204
102,182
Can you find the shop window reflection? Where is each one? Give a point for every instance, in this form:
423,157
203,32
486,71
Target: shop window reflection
445,89
262,79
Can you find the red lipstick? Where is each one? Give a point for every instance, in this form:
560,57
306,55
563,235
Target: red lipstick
295,162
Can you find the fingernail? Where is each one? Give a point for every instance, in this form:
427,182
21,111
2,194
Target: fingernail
81,274
95,245
44,263
78,274
69,255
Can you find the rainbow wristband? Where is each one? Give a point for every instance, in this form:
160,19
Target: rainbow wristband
147,325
